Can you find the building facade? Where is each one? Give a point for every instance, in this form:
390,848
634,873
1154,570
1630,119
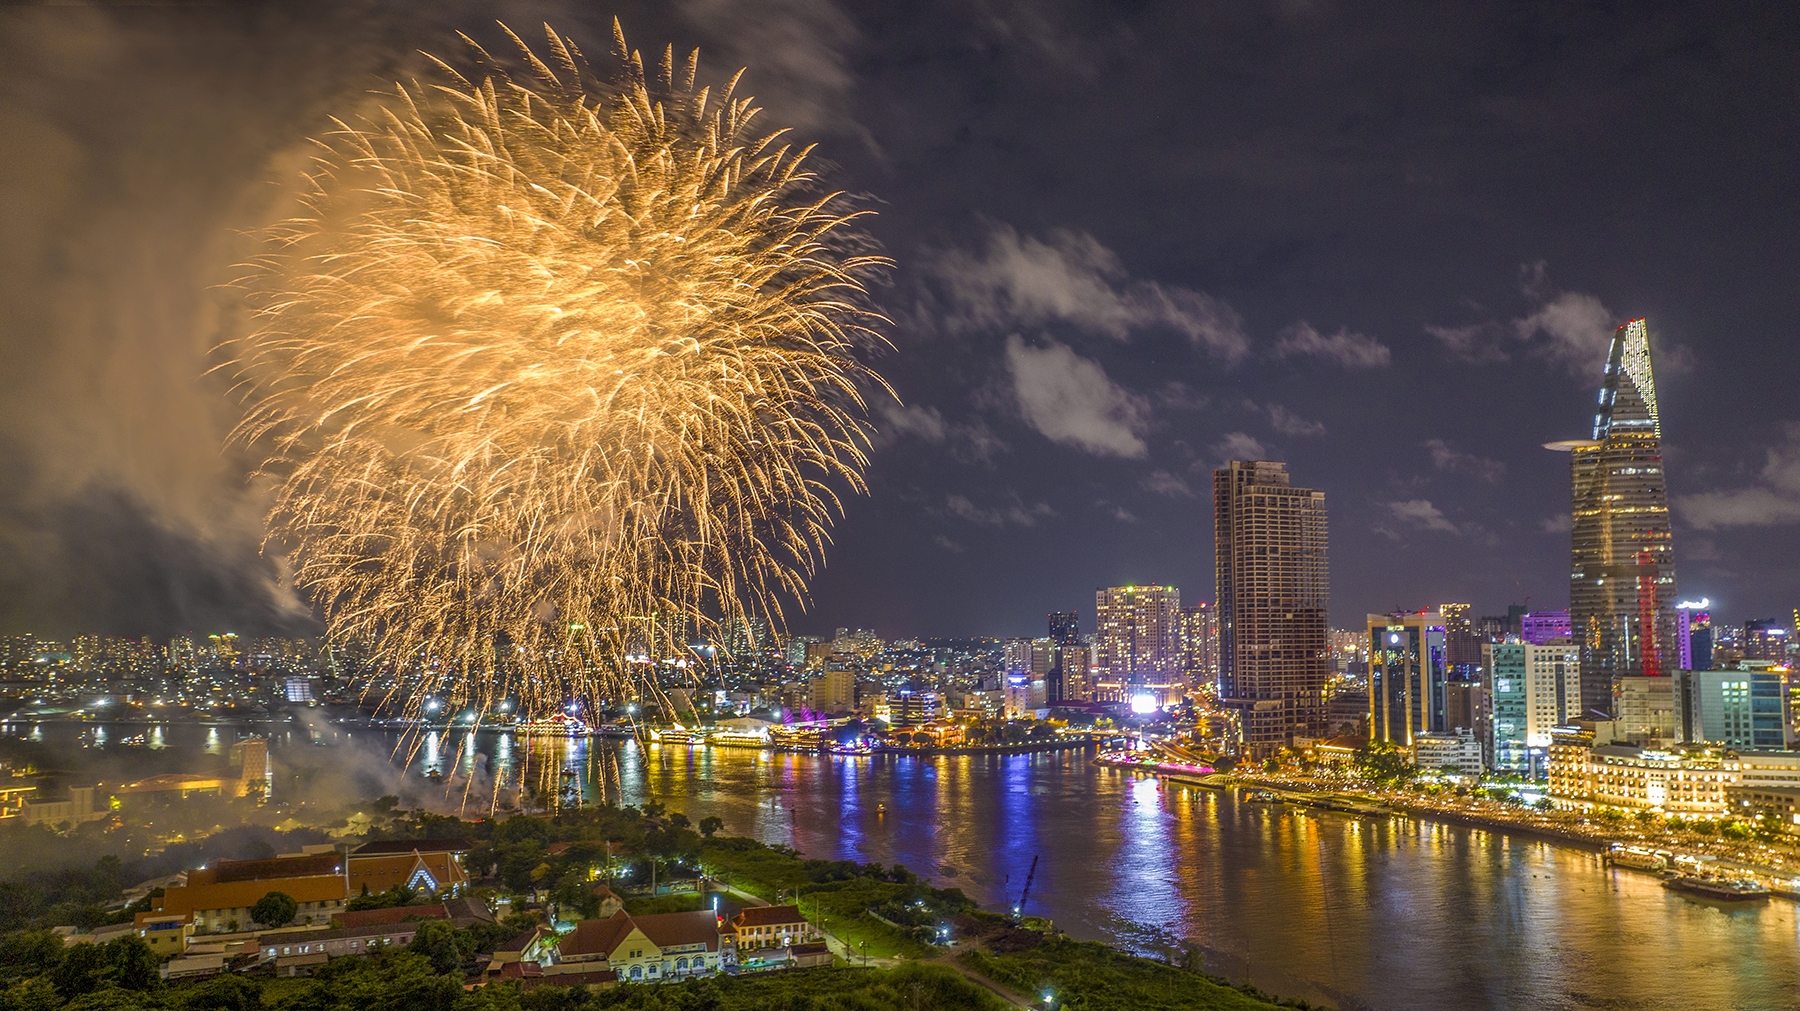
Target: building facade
1200,644
1622,562
1532,690
1730,708
1137,636
1408,676
1272,590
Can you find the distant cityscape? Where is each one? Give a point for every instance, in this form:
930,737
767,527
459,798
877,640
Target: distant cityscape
1640,678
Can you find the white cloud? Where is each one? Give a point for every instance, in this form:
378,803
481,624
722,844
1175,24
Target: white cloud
902,419
1579,331
1288,423
1072,278
969,442
1446,458
1013,512
1240,446
1117,512
1070,400
1773,501
1350,350
1164,483
947,544
797,52
1570,329
1561,523
1421,513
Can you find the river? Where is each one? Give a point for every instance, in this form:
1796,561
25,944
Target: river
1390,914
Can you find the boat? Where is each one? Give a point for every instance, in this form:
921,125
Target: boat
738,739
1262,796
679,735
1636,858
557,725
851,749
1721,889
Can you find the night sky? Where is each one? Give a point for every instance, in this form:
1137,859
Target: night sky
1386,243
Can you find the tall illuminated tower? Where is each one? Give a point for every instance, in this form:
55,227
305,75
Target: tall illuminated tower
1622,562
1272,583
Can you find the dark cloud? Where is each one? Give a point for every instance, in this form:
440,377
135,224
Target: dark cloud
1107,219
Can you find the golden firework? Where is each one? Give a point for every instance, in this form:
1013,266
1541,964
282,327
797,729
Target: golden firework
550,376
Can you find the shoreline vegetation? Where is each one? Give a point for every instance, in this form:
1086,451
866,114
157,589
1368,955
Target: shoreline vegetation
899,941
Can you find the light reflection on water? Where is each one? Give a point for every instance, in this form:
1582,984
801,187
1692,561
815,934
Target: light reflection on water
1362,913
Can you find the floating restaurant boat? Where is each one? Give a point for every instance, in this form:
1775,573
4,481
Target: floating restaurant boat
738,739
559,725
679,735
1721,889
1636,858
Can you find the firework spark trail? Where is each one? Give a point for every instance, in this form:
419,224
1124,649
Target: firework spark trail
551,375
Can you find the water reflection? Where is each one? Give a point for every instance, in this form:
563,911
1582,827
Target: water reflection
1387,914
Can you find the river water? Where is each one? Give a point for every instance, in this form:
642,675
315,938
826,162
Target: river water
1390,913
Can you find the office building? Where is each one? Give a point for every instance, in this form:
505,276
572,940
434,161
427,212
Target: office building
1532,690
1694,635
1077,685
1622,562
1459,752
1731,708
1407,676
1646,711
1764,640
1137,635
1462,647
1065,627
1466,708
1540,627
1272,589
1200,643
834,691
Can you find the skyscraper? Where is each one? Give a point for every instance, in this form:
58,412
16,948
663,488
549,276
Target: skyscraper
1622,562
1137,638
1065,627
1462,648
1272,590
1694,634
1069,676
1408,676
1200,643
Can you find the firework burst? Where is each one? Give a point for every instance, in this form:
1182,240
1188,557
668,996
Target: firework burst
551,376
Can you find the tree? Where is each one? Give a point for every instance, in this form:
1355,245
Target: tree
276,909
436,940
710,825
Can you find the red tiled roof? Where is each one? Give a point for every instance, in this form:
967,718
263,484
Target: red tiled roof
386,847
243,894
767,916
227,871
392,914
596,937
668,930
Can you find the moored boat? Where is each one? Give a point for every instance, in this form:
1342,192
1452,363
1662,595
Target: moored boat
1721,889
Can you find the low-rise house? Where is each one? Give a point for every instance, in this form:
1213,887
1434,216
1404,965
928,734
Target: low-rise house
427,865
642,948
194,966
166,934
338,941
760,927
300,965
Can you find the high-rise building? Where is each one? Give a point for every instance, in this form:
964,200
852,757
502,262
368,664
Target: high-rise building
1065,627
1764,640
1408,676
1072,661
1646,711
1622,561
1693,634
1734,708
1462,647
1272,588
1532,689
1137,637
1539,627
1200,643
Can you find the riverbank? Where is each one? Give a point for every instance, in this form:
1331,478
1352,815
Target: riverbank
1776,866
886,917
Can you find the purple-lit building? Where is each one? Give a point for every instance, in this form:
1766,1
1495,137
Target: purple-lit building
1539,627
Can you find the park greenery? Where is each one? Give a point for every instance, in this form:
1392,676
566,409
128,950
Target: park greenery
549,867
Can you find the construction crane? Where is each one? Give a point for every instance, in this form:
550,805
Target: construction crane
1025,893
